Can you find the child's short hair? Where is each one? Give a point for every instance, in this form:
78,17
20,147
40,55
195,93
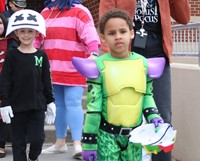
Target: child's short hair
114,13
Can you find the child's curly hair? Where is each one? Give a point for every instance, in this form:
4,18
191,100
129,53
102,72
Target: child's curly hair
114,13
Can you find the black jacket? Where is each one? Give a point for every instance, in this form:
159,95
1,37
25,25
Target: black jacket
26,81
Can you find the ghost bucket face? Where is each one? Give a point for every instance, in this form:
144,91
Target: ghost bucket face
26,19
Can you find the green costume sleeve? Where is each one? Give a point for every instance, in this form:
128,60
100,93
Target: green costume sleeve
148,96
150,110
93,116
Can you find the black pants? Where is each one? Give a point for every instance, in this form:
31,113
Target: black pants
161,86
5,134
27,127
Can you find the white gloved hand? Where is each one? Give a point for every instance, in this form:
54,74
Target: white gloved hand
50,113
6,114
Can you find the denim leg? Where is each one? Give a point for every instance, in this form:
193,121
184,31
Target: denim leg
73,101
162,96
69,111
61,112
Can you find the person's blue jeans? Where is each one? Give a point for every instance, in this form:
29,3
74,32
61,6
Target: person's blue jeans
69,112
162,96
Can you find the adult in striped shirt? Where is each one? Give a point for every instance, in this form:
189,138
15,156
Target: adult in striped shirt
70,33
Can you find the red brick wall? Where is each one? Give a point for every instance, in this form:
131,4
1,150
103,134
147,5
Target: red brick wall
36,5
195,7
93,6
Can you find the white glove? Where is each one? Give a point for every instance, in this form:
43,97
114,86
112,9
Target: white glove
6,114
50,113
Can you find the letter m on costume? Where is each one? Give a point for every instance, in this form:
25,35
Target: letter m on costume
38,61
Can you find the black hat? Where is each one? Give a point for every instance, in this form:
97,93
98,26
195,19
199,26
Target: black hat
20,3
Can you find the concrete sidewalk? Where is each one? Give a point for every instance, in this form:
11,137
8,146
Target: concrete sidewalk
44,157
50,157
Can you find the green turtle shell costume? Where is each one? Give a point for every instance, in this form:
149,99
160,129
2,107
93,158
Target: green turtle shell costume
118,97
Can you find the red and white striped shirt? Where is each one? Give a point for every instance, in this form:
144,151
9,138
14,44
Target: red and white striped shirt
69,33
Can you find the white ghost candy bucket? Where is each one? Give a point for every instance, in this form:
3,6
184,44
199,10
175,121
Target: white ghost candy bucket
154,142
26,18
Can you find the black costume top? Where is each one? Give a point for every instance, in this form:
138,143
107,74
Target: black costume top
26,81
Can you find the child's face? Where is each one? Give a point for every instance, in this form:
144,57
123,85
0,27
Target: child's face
1,27
26,35
118,35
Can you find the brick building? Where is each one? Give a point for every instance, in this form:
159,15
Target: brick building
93,6
195,10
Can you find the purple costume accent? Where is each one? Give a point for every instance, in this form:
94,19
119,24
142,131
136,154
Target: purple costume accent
156,121
86,67
155,67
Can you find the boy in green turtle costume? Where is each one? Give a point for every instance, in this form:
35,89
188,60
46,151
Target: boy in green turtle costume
119,94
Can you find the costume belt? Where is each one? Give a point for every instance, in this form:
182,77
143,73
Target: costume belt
113,129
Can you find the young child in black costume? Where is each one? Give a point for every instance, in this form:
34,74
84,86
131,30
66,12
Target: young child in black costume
26,88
